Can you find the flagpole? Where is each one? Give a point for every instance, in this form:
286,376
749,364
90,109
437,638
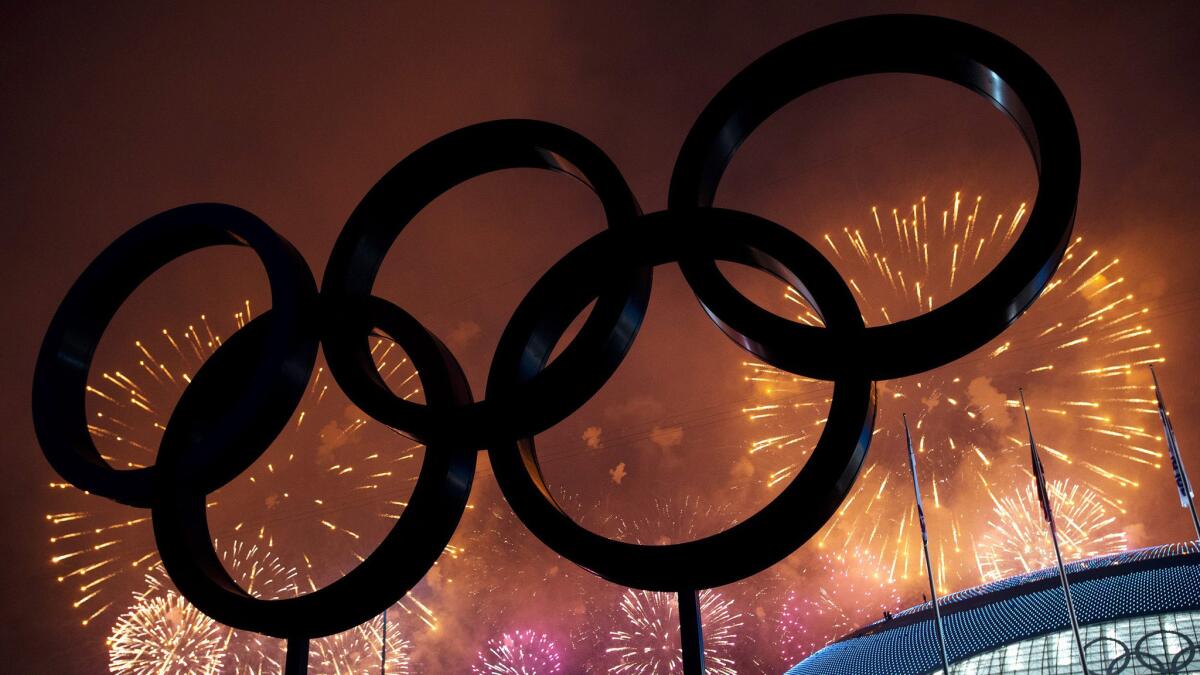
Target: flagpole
937,612
1048,514
383,646
1186,498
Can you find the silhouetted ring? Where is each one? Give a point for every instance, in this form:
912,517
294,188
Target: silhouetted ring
923,45
406,553
256,411
265,367
395,200
797,511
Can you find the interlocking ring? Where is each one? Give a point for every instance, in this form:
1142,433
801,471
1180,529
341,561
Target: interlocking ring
805,504
212,437
411,185
1165,664
248,421
922,45
408,550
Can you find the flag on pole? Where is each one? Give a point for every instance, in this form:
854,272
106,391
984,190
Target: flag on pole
1039,475
937,612
912,466
1181,478
1187,498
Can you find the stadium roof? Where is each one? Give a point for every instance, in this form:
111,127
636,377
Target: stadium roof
1148,581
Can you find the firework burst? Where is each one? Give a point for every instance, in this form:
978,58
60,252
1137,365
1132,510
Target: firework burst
503,576
1079,351
163,635
262,574
648,641
259,571
674,522
255,567
806,619
1018,540
324,465
522,652
361,650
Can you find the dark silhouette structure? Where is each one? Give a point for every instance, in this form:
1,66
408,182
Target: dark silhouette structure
214,435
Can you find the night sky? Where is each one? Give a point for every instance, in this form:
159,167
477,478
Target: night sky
293,112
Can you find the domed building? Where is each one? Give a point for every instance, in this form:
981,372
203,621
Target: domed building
1139,613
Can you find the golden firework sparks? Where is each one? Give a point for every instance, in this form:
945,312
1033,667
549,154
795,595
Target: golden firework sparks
1080,346
322,466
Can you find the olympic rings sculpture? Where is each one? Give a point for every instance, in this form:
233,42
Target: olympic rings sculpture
1178,662
211,436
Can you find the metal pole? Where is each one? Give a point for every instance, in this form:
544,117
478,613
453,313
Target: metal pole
1181,477
1048,512
1062,575
691,633
383,647
296,662
937,612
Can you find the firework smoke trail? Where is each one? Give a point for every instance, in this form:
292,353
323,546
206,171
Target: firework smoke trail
1016,541
522,652
164,635
322,465
1080,345
647,643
